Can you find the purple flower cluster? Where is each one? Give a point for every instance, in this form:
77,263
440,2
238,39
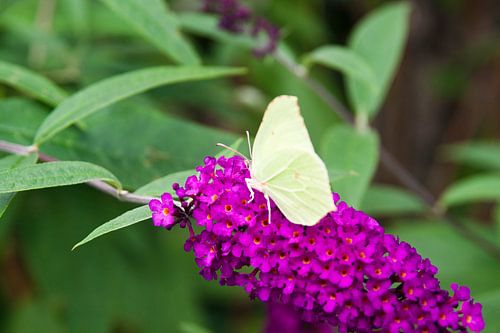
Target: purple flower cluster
234,17
344,271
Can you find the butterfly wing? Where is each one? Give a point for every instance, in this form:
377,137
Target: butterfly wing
297,181
282,126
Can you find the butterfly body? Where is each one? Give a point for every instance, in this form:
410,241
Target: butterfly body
286,168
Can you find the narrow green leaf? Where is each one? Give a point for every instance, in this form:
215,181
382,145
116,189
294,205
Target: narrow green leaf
31,83
379,39
388,200
344,60
485,155
125,220
485,187
154,22
344,148
159,186
111,90
11,162
52,174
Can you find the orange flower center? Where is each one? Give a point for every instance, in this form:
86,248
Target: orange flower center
166,211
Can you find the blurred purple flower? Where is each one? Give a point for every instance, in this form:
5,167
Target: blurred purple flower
235,17
344,271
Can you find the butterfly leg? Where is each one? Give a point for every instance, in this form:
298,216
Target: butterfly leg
247,181
268,208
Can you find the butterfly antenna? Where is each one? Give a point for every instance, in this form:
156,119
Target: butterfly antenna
233,150
249,144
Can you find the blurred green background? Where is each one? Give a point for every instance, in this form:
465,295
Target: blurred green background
445,92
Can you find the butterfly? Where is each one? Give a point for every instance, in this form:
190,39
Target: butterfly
285,167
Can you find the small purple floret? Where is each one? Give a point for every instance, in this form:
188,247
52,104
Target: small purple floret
163,211
344,271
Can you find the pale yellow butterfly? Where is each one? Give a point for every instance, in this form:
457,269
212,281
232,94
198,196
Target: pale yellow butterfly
285,167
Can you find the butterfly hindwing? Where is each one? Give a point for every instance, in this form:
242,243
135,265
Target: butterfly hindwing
298,184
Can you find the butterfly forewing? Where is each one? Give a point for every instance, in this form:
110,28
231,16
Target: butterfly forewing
282,127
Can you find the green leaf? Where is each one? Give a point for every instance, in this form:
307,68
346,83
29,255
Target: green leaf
485,187
344,148
125,220
496,220
31,83
388,200
108,91
15,161
35,316
159,186
207,25
491,310
228,152
458,259
379,39
19,119
141,160
12,162
154,22
192,328
336,175
344,60
485,155
52,174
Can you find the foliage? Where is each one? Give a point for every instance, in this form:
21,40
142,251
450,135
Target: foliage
133,94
